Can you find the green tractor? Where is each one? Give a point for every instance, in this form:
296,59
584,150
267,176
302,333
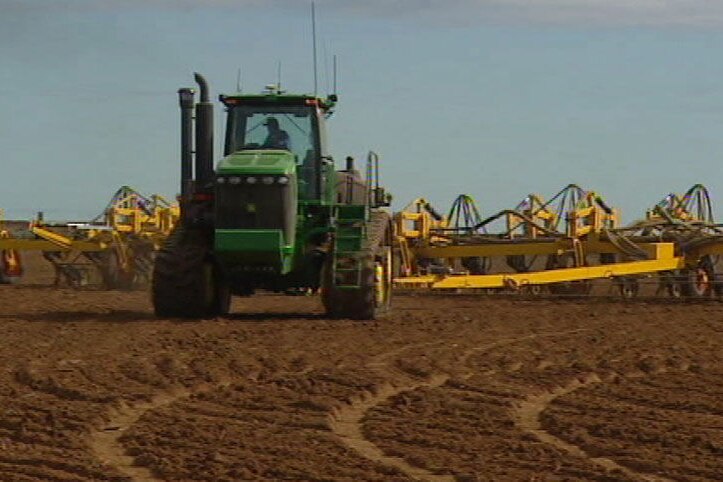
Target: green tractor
274,214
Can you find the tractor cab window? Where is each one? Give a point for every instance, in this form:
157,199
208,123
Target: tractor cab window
290,127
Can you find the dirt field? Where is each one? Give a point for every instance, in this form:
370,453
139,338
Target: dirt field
448,388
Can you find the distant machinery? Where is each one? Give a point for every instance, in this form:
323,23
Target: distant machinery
561,245
114,249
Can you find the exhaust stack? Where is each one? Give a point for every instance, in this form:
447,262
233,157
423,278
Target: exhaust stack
204,134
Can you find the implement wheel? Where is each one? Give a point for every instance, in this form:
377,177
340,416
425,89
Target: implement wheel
520,263
112,272
476,265
532,290
628,287
700,281
673,284
373,297
186,283
575,288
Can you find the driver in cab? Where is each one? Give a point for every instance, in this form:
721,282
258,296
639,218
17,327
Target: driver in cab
277,138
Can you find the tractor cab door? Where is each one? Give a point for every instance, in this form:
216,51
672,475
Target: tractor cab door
325,163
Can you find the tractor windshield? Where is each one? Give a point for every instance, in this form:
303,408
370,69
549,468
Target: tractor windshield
289,127
294,128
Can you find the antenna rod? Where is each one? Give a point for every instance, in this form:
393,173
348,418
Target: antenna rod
326,68
334,74
238,80
278,77
313,34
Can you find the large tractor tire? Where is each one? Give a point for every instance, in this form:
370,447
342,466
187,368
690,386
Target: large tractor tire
186,283
373,297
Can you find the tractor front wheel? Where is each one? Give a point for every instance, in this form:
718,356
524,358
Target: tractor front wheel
186,283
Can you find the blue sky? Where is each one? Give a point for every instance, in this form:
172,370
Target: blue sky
492,98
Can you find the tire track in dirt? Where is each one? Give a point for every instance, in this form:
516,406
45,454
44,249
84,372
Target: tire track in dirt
527,418
105,442
346,421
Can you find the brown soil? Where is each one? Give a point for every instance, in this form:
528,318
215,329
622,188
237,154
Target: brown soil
448,388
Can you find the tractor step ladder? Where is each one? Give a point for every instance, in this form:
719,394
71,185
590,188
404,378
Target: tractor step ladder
350,236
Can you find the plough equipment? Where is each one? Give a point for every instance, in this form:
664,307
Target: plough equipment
560,245
115,249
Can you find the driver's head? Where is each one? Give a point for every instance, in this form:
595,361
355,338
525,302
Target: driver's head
272,123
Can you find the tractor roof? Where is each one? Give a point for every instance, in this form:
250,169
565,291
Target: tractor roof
278,98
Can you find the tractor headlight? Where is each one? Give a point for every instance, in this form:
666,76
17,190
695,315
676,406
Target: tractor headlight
234,180
221,180
283,180
268,180
251,180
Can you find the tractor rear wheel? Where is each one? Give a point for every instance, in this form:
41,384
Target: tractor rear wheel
186,283
373,297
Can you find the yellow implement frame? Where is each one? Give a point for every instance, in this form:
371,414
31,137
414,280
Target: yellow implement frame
433,257
518,280
119,245
492,248
534,210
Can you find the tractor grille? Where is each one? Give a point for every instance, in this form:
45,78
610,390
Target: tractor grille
255,206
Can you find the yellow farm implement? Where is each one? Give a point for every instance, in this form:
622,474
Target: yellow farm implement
117,247
560,245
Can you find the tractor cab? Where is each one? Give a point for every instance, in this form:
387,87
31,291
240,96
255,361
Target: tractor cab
272,126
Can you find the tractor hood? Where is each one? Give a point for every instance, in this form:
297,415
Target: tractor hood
258,161
255,210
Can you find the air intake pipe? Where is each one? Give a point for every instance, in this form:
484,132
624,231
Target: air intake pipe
186,101
204,134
